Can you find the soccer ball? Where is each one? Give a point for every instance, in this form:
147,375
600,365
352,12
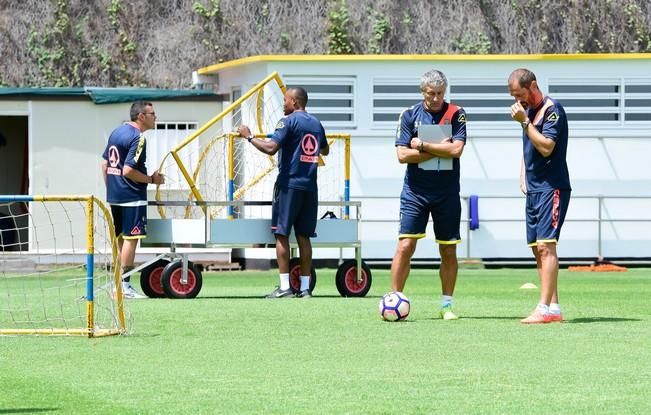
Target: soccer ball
394,306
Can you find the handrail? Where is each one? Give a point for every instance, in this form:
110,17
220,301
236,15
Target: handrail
600,220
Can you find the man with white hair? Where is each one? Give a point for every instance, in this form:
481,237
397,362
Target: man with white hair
431,192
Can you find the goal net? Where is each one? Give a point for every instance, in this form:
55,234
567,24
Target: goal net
58,267
216,165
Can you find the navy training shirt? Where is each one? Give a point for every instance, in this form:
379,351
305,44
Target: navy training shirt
547,173
126,147
430,181
301,137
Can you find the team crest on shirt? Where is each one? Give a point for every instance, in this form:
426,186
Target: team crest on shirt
310,146
462,118
113,161
280,125
553,116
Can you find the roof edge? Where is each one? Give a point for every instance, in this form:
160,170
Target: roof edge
373,58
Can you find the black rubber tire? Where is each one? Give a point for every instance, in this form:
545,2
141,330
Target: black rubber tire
295,276
150,279
171,280
346,279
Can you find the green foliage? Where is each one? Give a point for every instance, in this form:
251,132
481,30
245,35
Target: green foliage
73,44
126,56
381,29
637,27
113,12
211,23
339,40
211,12
65,54
407,20
472,43
127,46
284,40
47,48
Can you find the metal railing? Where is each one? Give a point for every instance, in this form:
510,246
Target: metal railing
601,218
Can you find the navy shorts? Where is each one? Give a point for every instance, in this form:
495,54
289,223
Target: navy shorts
294,208
545,215
416,209
130,221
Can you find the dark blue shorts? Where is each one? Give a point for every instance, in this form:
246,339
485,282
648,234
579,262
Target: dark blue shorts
545,215
294,208
130,221
416,209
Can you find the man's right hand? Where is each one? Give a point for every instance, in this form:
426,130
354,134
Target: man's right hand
518,113
157,178
244,131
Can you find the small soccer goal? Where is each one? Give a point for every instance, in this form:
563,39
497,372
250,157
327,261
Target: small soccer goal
58,267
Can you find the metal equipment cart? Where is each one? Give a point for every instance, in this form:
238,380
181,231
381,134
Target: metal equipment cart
172,275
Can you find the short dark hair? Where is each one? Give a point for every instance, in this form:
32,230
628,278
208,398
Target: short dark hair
300,94
524,77
138,107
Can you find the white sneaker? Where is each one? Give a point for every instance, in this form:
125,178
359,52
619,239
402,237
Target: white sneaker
129,292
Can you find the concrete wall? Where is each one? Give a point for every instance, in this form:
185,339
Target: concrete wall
606,158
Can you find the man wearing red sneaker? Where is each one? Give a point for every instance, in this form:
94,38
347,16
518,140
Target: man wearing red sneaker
545,181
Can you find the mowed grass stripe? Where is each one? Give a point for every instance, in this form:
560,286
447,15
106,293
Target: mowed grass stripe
231,351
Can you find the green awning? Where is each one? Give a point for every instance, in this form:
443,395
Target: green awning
111,95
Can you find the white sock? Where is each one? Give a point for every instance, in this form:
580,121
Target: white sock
446,300
543,308
305,282
284,281
555,308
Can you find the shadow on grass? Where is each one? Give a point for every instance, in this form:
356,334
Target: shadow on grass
487,318
586,320
137,334
27,410
262,297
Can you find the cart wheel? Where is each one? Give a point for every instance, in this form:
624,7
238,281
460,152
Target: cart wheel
150,279
346,279
295,276
171,279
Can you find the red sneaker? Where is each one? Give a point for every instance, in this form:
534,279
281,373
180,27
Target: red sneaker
536,317
555,318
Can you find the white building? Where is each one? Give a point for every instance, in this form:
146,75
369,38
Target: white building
608,101
52,139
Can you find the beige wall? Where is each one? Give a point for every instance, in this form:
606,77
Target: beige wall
68,139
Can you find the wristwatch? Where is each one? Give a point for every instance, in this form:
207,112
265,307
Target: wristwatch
525,124
249,138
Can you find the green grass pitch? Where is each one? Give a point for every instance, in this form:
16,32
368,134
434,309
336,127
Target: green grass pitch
230,351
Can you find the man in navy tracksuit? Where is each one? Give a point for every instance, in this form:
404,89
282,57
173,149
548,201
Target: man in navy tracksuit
300,138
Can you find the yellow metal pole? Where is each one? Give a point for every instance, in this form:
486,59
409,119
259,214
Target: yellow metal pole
258,109
230,108
231,173
122,327
188,178
90,266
